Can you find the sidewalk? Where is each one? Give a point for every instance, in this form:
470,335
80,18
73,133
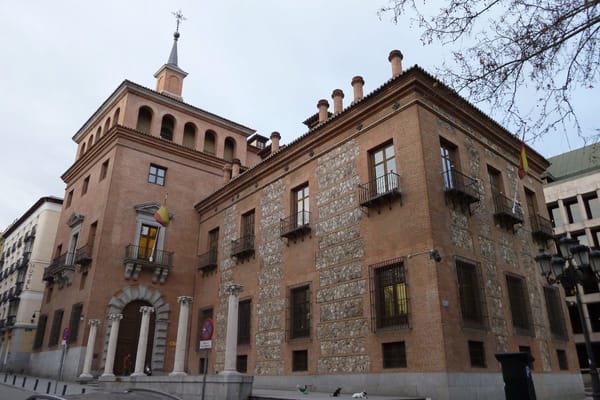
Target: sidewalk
45,385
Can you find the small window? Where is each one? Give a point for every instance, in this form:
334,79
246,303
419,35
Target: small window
104,170
555,215
209,142
40,331
300,360
472,304
390,296
477,354
86,184
527,349
229,150
555,312
167,127
592,206
69,199
394,355
301,206
76,312
561,355
241,363
189,135
55,329
244,312
519,305
157,175
573,211
300,312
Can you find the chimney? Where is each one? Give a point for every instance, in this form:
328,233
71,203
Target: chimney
323,106
337,97
235,170
357,84
275,136
395,58
226,173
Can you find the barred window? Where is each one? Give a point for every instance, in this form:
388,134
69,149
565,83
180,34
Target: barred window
55,329
300,312
241,363
76,311
300,360
561,355
390,296
394,355
555,312
40,331
519,305
477,354
244,322
472,303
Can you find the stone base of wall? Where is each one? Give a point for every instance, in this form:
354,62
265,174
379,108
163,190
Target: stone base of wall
218,387
438,386
46,364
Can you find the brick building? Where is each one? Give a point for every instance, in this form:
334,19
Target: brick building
385,249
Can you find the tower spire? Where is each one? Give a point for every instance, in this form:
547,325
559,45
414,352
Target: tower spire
169,78
173,56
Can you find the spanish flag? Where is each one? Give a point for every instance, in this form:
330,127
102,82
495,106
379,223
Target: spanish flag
523,165
162,214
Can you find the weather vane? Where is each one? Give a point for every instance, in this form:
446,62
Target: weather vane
179,17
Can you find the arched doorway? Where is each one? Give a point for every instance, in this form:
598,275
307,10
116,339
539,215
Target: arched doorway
129,334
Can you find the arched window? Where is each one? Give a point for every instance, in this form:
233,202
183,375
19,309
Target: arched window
90,142
82,151
189,135
107,125
98,133
167,127
209,142
116,116
229,150
144,120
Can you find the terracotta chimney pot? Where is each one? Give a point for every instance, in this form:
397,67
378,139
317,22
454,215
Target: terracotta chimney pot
275,137
357,84
395,58
337,96
235,170
323,106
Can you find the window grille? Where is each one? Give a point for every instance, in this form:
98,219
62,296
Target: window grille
519,305
472,300
394,355
300,360
477,354
555,312
389,297
55,330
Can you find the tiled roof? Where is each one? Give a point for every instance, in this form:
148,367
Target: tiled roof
576,162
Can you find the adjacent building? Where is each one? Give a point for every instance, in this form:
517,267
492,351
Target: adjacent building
572,195
27,251
386,250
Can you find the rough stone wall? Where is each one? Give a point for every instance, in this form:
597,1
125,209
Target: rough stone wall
270,330
343,327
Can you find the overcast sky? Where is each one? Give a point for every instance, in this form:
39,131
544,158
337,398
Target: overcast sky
263,64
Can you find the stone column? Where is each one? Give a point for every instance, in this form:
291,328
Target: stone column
140,357
112,346
89,351
234,291
182,328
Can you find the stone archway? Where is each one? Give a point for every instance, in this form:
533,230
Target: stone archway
161,311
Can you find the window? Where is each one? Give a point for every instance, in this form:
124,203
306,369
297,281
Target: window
213,245
229,150
472,303
477,354
390,295
69,199
247,226
92,237
76,311
244,312
561,355
40,331
86,184
167,127
555,312
581,237
593,310
300,205
203,315
300,312
531,203
147,241
596,238
55,329
157,175
300,360
189,135
104,170
495,180
573,211
555,215
519,306
241,363
394,355
107,125
209,142
592,206
448,154
144,121
383,169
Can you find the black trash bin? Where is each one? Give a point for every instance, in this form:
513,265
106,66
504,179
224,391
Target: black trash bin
516,372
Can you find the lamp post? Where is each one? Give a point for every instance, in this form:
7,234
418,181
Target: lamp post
578,263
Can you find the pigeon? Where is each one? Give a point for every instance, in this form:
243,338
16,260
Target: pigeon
336,393
302,389
360,395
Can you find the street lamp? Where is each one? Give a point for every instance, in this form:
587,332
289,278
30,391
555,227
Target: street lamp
577,262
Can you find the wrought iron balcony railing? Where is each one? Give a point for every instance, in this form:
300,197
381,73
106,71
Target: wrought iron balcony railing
506,210
10,320
384,188
60,269
460,187
208,261
296,225
138,258
541,228
83,255
242,247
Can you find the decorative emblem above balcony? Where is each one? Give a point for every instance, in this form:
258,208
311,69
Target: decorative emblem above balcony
150,208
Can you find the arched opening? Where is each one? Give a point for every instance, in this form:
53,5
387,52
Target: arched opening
82,151
144,120
107,125
116,116
90,142
229,150
98,133
189,135
209,142
129,334
167,127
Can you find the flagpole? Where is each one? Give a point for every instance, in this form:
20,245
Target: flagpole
154,245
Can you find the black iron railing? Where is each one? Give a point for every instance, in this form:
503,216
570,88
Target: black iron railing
59,264
146,255
83,255
541,227
507,209
385,187
208,259
10,320
295,225
244,246
460,185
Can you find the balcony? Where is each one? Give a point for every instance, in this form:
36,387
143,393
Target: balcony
18,288
138,258
507,212
83,257
207,262
242,247
22,262
2,323
460,189
384,189
60,271
541,228
10,320
295,226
